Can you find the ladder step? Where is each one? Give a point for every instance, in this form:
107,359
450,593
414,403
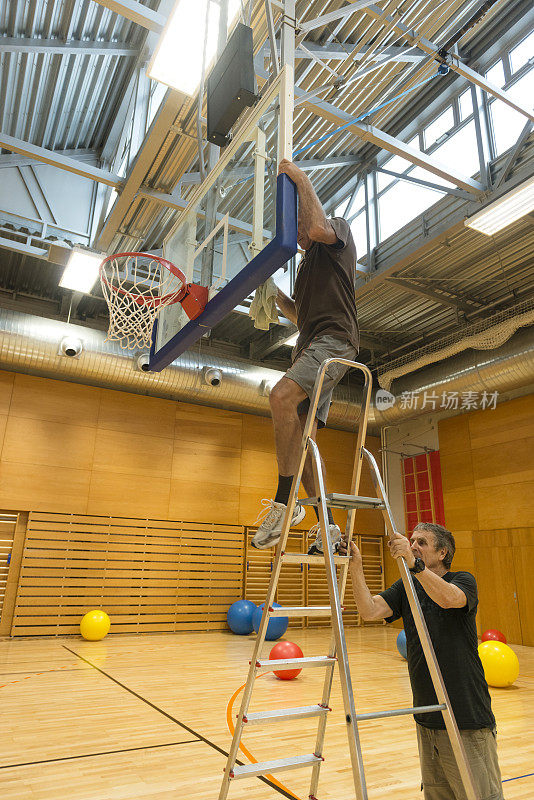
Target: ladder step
303,558
399,712
311,661
347,501
286,713
276,765
301,611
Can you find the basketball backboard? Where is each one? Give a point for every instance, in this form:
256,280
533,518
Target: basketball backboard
239,227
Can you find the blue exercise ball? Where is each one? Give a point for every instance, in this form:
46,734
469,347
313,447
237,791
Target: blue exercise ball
277,625
239,617
401,644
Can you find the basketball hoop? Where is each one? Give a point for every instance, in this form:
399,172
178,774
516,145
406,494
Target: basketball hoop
136,287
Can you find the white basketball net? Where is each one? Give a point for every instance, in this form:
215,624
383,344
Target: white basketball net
136,286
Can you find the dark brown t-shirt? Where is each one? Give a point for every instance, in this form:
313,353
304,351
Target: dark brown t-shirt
324,290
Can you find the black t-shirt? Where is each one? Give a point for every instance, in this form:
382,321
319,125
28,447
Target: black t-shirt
454,637
324,290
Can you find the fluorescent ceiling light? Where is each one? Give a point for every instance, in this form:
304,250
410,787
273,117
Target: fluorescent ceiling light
502,212
81,272
177,59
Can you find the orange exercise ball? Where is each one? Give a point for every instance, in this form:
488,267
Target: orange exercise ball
501,665
285,649
95,625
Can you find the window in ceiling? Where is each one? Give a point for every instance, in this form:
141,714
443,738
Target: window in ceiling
359,232
522,53
396,164
401,203
438,127
506,123
465,104
344,210
460,151
495,75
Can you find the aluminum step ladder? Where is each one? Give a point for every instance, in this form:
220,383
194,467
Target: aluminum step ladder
337,653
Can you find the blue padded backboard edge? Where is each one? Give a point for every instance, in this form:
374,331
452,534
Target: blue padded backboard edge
272,257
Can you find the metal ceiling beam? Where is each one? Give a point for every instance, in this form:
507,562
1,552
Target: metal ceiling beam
176,202
25,249
341,13
518,146
452,61
54,158
9,160
136,12
383,140
337,52
310,164
423,291
59,47
427,184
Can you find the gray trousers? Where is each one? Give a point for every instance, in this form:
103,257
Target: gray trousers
441,779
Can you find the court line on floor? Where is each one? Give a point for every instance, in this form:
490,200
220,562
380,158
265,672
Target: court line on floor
518,777
199,736
93,755
42,671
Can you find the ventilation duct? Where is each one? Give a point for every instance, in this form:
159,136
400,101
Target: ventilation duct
508,367
30,344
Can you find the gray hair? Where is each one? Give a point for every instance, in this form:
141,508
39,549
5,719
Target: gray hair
444,539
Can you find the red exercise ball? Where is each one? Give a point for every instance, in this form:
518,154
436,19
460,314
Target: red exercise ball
493,635
286,650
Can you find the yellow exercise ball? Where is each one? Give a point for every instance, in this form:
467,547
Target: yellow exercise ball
501,665
95,625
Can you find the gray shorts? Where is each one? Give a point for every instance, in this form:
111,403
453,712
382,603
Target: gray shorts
441,779
305,367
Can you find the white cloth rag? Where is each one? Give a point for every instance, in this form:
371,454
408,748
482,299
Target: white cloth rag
263,308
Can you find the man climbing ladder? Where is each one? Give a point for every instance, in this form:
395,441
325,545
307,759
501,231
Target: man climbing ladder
324,311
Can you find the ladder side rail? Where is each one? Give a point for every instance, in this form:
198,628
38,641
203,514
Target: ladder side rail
426,642
253,668
340,645
357,468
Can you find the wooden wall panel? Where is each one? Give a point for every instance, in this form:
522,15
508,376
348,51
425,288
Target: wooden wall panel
27,486
69,449
6,390
100,451
133,454
35,441
54,401
135,413
114,493
495,574
13,571
488,480
148,575
523,551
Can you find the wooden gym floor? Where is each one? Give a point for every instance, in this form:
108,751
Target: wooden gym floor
144,716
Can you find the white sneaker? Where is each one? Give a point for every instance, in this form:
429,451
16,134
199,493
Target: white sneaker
271,519
317,546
